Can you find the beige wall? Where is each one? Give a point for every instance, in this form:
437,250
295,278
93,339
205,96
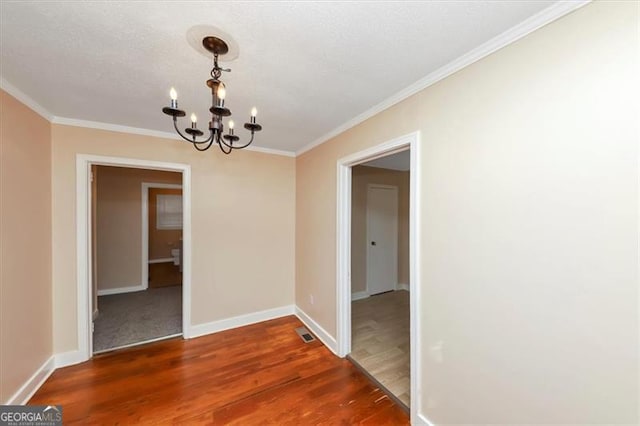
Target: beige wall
242,224
362,176
119,230
529,232
25,248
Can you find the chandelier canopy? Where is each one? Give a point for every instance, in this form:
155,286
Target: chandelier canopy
228,142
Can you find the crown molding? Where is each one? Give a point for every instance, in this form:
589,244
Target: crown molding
542,18
513,34
66,121
42,111
25,99
148,132
271,151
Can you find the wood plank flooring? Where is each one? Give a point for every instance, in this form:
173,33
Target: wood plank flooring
259,374
380,340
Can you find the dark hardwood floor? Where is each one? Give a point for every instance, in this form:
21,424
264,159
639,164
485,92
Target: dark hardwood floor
259,374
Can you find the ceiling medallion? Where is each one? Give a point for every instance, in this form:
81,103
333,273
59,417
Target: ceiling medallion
228,142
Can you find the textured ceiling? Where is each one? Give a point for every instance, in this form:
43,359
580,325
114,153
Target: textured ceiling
399,161
309,67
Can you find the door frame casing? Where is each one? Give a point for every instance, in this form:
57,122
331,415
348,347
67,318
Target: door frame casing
145,224
343,252
371,186
84,285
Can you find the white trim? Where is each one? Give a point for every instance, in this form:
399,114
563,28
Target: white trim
84,278
343,252
144,342
542,18
186,252
75,122
162,185
145,227
317,330
271,151
148,132
358,295
423,420
415,277
30,387
119,290
241,320
513,34
83,241
25,99
403,286
69,358
75,357
161,260
113,127
343,260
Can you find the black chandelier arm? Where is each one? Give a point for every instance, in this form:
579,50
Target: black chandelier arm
195,145
193,139
239,146
222,144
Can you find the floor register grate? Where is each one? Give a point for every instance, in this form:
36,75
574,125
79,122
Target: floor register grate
305,335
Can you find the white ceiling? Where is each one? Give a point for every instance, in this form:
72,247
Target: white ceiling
309,67
398,161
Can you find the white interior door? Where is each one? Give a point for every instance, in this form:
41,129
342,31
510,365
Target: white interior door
382,238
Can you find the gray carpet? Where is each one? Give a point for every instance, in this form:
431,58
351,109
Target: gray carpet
129,318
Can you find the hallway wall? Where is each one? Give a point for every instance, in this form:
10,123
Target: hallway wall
25,252
242,224
529,226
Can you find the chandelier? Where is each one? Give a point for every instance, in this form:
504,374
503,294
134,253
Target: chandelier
228,142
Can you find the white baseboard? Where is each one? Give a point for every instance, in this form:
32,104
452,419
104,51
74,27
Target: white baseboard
359,295
66,359
144,342
108,291
75,357
26,391
319,332
402,286
423,420
239,321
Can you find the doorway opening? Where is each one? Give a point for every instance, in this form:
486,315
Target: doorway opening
380,342
377,266
136,261
128,210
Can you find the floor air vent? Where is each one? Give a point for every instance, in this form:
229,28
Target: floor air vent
305,335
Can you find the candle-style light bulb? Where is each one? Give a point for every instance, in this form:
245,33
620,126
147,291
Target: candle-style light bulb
254,112
194,119
222,92
230,124
174,98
